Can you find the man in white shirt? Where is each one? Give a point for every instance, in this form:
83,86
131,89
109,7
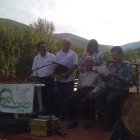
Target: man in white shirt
65,81
44,75
89,83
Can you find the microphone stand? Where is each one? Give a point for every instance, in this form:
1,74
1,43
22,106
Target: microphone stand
37,68
43,66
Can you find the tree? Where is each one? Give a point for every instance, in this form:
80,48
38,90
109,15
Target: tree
44,26
18,46
9,51
27,51
130,54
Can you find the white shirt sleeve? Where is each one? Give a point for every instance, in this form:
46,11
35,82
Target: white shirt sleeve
34,67
98,85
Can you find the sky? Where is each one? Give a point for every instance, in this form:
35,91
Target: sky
110,22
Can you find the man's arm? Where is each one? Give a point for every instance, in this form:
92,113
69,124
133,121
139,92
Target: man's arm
104,78
71,70
54,67
98,85
34,78
35,71
97,88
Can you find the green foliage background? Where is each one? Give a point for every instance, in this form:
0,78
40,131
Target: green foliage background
18,46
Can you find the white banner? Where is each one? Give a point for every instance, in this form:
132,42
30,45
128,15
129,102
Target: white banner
16,98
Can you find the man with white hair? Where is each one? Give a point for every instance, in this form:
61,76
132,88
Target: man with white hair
88,84
65,81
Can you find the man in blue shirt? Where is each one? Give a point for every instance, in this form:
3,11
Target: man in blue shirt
119,79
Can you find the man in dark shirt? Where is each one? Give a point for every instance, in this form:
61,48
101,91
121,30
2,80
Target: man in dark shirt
119,78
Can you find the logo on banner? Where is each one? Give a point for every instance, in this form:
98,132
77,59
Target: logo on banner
7,98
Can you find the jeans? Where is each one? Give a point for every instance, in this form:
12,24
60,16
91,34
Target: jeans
106,101
64,90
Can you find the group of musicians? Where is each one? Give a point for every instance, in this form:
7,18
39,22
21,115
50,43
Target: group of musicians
90,82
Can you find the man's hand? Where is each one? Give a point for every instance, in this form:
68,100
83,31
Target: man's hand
106,84
82,70
58,77
91,94
34,79
112,74
96,71
63,75
100,75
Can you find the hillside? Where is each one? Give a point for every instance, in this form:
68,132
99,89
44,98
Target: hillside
104,47
132,45
76,40
79,41
12,23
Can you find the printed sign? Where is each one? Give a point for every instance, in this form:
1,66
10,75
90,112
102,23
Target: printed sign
16,98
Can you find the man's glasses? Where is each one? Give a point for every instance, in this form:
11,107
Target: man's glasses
43,47
67,43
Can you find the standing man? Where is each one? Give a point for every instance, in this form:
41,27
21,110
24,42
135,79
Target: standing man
89,83
65,81
119,77
44,76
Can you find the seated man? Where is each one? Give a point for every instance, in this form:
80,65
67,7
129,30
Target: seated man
119,79
88,84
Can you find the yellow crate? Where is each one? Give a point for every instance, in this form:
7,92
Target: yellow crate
41,122
40,128
40,133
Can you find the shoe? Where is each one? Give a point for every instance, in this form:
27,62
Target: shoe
107,127
87,125
72,125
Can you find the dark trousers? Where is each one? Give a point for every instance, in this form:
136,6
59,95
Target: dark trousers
82,93
64,90
48,95
106,101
